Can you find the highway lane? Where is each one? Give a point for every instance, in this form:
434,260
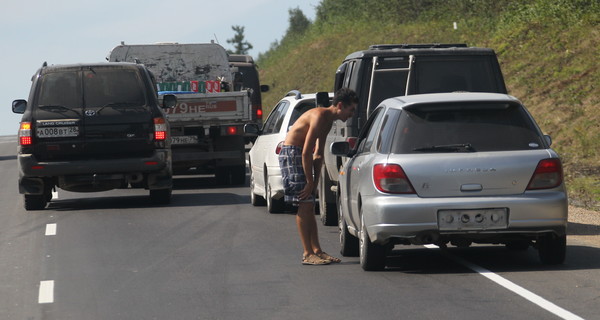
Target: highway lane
211,255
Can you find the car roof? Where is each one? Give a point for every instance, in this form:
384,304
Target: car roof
405,101
92,65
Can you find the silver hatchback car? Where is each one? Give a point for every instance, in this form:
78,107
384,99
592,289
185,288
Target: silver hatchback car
456,168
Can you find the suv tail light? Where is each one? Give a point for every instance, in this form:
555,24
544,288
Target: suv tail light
548,174
160,129
278,148
390,178
25,134
258,112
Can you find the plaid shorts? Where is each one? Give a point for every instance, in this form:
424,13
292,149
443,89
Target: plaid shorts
292,173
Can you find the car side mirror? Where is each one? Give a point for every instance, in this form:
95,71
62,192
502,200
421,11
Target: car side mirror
548,139
322,99
252,128
19,106
169,101
264,88
340,148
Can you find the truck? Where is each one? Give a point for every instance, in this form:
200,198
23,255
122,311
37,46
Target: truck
388,70
212,107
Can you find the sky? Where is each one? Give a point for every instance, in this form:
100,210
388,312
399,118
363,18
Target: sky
80,31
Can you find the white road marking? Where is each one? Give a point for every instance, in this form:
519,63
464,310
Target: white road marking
46,294
532,297
51,229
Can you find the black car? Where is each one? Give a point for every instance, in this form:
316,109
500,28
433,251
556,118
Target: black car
93,127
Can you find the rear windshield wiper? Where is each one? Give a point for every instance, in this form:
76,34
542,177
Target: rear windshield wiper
120,104
54,107
447,148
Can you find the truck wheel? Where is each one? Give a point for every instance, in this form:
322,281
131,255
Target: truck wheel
274,205
35,202
372,256
327,210
255,199
552,249
349,246
160,196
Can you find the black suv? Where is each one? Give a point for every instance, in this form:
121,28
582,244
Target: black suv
93,127
246,77
390,70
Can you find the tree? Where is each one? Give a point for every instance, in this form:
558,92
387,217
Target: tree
299,23
238,41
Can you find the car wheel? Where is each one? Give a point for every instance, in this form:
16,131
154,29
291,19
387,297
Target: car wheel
35,202
372,256
274,205
160,196
255,199
327,210
552,249
349,246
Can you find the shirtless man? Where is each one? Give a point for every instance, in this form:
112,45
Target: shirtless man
297,157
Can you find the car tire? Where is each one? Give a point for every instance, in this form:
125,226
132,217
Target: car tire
349,245
274,205
327,210
552,249
372,256
35,202
255,199
160,196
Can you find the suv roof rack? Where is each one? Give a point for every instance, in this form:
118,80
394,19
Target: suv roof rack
416,46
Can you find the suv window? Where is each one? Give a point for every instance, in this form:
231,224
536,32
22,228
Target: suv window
109,86
453,74
483,126
60,89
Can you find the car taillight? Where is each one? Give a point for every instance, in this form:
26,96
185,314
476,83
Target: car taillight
259,113
390,178
232,130
278,148
352,142
548,174
25,134
160,129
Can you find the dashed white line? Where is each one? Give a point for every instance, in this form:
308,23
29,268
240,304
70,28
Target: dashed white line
51,229
46,294
532,297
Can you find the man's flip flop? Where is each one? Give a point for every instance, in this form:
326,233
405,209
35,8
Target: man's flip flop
323,255
314,260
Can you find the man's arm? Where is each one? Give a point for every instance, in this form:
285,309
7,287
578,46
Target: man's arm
308,157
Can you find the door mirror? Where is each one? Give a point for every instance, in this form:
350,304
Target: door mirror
19,106
169,101
548,139
340,148
264,88
322,99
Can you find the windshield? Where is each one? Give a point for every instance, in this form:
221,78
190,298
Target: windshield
472,127
101,87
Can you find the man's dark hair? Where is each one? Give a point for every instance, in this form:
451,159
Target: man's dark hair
345,95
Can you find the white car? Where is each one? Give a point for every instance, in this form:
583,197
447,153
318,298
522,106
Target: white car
265,175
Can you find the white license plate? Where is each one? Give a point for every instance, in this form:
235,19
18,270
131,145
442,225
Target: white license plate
57,132
473,219
184,139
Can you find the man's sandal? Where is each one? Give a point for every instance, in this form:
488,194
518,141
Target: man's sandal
323,255
314,260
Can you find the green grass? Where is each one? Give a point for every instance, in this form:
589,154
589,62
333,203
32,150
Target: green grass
549,52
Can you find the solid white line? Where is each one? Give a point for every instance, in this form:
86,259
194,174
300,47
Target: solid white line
46,294
51,229
532,297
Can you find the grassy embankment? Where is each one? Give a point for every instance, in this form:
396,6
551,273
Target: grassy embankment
550,56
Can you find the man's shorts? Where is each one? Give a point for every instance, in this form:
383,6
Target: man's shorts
292,173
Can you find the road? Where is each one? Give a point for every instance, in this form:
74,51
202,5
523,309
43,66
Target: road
211,255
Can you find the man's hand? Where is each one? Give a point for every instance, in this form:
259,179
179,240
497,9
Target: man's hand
307,191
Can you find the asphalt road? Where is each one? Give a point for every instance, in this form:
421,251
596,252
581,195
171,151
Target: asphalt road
211,255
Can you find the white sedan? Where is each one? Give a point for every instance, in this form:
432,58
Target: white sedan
265,175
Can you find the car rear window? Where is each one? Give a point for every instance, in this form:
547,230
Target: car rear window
112,86
60,89
465,128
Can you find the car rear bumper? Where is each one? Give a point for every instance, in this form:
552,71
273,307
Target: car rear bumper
388,217
29,166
